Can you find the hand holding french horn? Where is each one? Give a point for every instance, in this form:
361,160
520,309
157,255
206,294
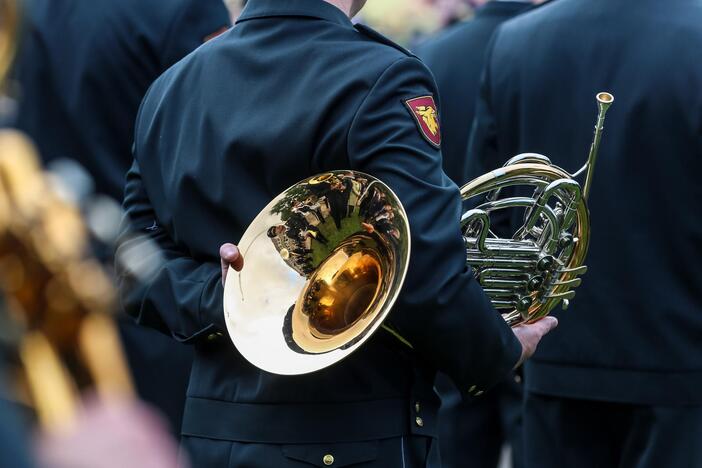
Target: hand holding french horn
326,259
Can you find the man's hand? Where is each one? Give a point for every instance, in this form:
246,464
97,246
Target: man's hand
530,335
229,255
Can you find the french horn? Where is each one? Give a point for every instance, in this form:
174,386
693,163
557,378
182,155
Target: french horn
326,259
530,273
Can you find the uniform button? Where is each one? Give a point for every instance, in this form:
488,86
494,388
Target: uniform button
214,336
479,392
472,389
328,459
417,407
518,378
419,421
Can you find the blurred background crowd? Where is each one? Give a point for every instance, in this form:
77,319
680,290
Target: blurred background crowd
407,21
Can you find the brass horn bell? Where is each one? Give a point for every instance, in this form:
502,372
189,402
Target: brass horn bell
325,261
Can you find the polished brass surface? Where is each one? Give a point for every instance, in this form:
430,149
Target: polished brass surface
9,25
325,261
58,297
531,272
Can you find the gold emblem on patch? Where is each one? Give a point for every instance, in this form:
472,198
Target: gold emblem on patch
428,114
424,111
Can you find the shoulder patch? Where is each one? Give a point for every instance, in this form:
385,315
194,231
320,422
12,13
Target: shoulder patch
423,109
377,37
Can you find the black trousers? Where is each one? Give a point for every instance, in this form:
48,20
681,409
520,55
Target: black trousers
399,452
570,433
473,430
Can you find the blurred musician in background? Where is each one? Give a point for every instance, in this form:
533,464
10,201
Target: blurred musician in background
472,429
618,385
456,57
82,70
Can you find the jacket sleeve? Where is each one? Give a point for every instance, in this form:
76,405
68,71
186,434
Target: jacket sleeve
194,22
442,310
159,284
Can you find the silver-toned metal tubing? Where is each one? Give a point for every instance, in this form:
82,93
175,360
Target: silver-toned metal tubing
505,273
514,242
520,159
508,251
511,202
528,158
501,262
563,295
499,292
552,219
503,304
481,217
574,283
526,179
503,284
516,245
581,270
567,185
604,101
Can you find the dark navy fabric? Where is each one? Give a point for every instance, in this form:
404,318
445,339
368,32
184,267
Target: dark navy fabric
293,90
470,428
15,445
632,334
400,452
560,432
84,67
474,430
82,70
456,59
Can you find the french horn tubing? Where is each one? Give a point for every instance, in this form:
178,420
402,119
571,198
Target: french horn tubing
530,273
326,259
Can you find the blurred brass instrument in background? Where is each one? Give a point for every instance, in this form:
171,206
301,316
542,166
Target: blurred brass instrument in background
55,299
9,26
326,259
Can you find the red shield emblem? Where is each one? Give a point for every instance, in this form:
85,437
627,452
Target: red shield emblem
423,109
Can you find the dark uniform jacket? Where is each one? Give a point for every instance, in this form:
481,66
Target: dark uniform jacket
456,59
293,90
84,67
82,70
633,331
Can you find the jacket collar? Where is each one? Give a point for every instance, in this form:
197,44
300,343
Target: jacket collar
494,8
307,8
